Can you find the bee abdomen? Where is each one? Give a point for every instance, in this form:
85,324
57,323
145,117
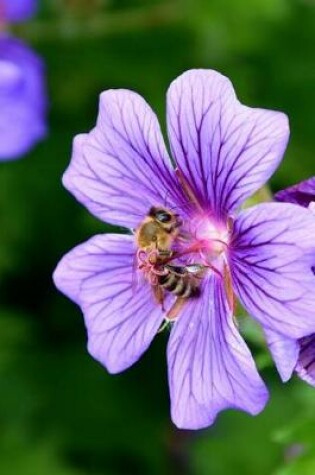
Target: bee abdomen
188,290
168,281
178,285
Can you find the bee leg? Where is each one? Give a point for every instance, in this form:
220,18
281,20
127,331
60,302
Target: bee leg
173,312
157,256
159,296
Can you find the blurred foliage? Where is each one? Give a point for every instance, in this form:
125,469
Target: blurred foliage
60,412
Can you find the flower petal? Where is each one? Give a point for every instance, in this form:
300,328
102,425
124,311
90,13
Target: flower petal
293,355
271,255
121,320
209,365
284,351
121,168
225,150
302,194
305,367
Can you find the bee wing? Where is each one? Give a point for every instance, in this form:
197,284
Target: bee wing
196,270
179,270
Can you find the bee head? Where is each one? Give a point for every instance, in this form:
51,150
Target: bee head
161,215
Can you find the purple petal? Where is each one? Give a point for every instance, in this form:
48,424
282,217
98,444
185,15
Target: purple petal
121,319
302,194
121,168
305,367
290,355
226,150
23,100
209,365
284,351
272,252
17,10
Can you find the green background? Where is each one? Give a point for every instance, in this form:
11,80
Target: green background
60,412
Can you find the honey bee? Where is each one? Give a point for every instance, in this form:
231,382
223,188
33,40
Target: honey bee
158,231
181,281
154,238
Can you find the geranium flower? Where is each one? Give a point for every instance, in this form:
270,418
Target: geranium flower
223,152
290,354
22,98
17,10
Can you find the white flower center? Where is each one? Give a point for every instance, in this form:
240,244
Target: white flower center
210,238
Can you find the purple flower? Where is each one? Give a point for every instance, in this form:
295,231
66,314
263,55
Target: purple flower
17,10
290,354
302,194
22,98
224,152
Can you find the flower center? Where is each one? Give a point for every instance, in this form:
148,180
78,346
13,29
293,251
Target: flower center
175,255
208,241
214,236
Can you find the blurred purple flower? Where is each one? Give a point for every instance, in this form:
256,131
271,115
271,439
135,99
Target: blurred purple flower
17,10
224,152
290,354
22,98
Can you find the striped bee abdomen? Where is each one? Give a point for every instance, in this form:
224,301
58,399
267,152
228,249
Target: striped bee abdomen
179,282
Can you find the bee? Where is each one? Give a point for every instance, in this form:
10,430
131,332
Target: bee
158,231
154,238
183,281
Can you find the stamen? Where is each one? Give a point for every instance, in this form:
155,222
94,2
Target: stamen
229,288
187,189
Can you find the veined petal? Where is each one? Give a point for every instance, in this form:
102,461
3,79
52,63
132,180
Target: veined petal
210,367
302,194
121,168
284,351
225,150
121,320
305,367
293,355
271,255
